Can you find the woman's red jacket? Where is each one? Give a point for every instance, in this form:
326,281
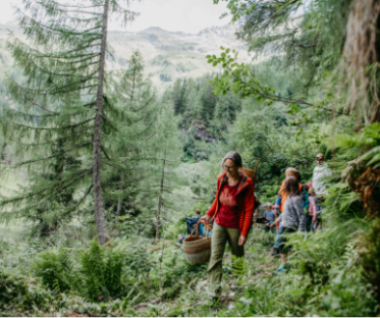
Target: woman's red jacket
246,189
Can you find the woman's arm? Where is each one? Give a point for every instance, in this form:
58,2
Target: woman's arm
212,209
249,207
277,221
210,213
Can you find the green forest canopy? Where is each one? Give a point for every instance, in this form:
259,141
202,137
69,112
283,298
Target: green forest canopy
114,152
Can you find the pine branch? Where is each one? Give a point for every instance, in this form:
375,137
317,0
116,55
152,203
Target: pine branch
78,175
17,112
36,24
52,142
105,153
38,105
47,197
118,167
69,89
28,196
109,123
60,55
77,205
52,128
53,156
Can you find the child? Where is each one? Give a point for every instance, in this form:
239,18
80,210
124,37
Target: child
312,206
270,216
311,216
292,218
289,172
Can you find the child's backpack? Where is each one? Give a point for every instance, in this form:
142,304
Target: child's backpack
305,201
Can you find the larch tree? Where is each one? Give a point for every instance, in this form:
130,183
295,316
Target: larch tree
135,99
165,145
60,107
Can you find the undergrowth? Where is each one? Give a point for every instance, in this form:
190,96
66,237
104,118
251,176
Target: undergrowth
328,276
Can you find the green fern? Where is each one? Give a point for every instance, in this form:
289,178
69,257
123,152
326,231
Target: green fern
101,271
55,268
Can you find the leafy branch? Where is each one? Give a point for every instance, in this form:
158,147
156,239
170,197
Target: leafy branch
241,79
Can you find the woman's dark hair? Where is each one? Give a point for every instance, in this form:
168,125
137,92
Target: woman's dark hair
291,186
236,158
306,187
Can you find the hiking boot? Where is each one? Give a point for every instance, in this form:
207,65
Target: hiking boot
275,251
281,269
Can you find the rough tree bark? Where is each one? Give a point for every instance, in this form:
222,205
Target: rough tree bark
98,199
359,54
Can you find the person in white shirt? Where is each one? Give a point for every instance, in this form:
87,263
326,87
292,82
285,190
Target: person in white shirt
320,174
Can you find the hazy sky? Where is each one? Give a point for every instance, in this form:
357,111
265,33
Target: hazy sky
188,16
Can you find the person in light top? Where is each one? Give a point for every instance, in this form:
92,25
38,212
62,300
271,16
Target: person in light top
320,174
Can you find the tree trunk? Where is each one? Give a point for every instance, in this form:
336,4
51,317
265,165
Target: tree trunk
160,200
98,199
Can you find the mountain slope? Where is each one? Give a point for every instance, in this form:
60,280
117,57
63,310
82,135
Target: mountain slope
172,55
167,55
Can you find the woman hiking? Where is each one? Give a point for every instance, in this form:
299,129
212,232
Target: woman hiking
232,211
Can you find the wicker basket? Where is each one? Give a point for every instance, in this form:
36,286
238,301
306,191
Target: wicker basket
197,249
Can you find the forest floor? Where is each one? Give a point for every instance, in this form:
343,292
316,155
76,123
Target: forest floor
69,274
173,288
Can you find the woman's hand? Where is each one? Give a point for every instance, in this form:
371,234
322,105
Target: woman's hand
242,240
274,223
204,219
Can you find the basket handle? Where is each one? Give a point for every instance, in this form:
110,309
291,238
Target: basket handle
195,229
207,226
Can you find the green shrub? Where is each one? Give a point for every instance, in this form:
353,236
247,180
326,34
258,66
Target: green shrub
101,269
369,256
55,268
19,291
12,288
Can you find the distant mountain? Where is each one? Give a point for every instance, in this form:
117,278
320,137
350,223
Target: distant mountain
167,55
171,55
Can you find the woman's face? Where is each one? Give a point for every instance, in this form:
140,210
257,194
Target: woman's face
231,168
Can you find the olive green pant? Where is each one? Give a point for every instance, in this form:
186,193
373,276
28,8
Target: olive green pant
220,236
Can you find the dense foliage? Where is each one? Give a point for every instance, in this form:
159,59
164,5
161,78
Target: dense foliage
306,92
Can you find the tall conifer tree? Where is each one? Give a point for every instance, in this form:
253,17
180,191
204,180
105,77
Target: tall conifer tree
63,101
